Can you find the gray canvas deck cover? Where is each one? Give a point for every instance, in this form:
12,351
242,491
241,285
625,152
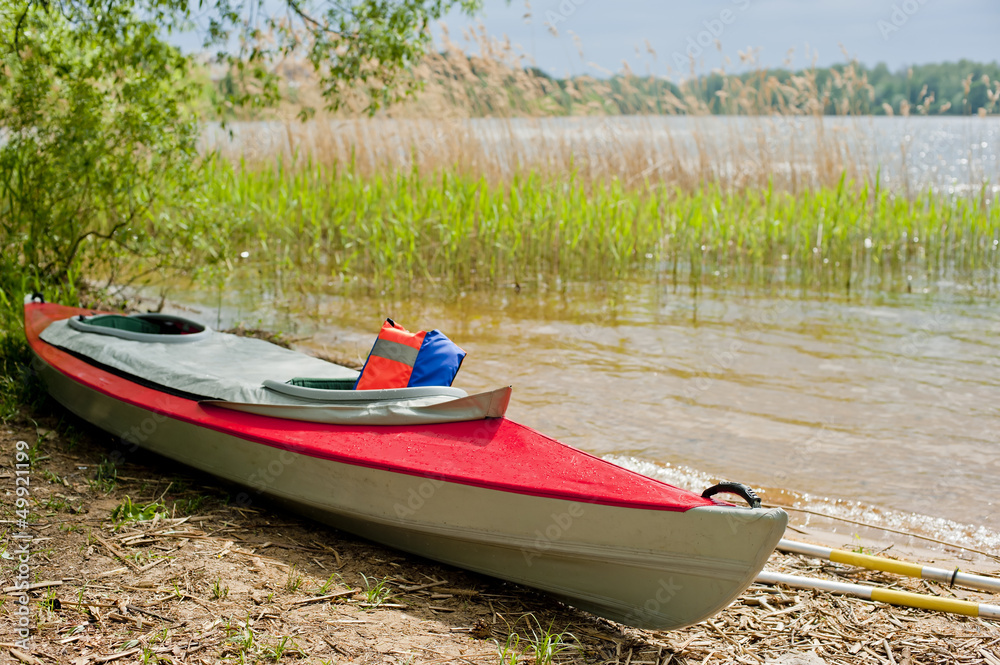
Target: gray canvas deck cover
230,371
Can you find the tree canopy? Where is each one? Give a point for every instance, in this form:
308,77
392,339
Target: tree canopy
95,106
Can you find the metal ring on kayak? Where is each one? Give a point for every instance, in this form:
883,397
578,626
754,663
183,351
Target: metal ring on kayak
36,296
730,487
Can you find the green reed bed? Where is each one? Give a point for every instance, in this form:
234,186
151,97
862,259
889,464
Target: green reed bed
328,225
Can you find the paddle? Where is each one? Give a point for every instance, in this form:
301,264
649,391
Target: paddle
891,596
891,566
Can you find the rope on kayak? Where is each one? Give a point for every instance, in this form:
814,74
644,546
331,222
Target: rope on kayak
883,528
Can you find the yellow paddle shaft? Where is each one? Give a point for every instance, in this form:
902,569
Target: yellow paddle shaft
890,596
892,566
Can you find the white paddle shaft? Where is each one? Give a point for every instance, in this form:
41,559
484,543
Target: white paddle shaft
891,596
892,566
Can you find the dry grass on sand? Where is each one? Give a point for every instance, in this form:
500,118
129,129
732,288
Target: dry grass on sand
205,581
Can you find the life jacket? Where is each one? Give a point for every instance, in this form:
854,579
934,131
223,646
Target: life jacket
401,359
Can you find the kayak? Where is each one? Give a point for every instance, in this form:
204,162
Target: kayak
433,472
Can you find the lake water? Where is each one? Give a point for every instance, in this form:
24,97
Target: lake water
884,409
880,408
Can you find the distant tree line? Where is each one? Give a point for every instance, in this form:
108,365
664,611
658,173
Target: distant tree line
950,88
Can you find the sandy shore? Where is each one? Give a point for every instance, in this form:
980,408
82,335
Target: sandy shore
205,581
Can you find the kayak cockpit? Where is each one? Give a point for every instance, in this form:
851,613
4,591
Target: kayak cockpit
152,327
339,390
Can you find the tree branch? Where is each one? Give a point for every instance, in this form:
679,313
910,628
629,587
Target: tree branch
294,6
17,27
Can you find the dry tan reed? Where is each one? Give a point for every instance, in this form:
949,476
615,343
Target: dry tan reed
788,144
788,153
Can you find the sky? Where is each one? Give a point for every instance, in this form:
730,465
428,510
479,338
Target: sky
897,32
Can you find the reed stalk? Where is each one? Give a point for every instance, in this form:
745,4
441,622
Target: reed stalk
324,226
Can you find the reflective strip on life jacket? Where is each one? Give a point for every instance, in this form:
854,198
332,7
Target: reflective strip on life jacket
390,362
